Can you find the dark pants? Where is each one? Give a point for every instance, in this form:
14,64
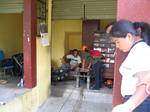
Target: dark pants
97,67
144,107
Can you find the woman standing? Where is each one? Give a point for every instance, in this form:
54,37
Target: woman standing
135,69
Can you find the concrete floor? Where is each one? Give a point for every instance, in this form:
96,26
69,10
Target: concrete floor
9,90
66,98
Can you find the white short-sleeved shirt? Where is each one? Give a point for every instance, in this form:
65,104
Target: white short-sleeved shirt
137,60
74,59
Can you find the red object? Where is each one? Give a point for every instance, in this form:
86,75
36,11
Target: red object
29,43
109,82
96,53
126,10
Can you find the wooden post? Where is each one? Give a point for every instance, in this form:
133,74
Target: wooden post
29,43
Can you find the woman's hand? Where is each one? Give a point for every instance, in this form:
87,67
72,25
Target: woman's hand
128,106
121,108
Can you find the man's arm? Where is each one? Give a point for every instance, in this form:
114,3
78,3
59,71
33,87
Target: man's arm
69,56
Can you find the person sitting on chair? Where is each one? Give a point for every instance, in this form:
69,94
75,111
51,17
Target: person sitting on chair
75,59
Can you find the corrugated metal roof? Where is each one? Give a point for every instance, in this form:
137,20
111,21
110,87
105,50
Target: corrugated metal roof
94,9
11,6
67,9
103,9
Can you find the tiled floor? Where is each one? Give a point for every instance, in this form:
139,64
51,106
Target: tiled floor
66,98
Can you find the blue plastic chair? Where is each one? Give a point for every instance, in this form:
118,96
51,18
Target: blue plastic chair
2,56
5,64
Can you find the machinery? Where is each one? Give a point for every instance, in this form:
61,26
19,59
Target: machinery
60,73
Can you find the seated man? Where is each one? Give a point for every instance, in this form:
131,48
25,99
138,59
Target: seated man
75,59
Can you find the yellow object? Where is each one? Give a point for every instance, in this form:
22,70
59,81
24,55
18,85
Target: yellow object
11,33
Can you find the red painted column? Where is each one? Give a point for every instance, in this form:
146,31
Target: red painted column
29,42
133,10
117,98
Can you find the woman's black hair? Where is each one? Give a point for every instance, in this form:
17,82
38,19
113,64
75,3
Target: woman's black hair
144,30
121,28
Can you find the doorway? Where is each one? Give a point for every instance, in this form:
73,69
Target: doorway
73,40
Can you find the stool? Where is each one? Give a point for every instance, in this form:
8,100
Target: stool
85,74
